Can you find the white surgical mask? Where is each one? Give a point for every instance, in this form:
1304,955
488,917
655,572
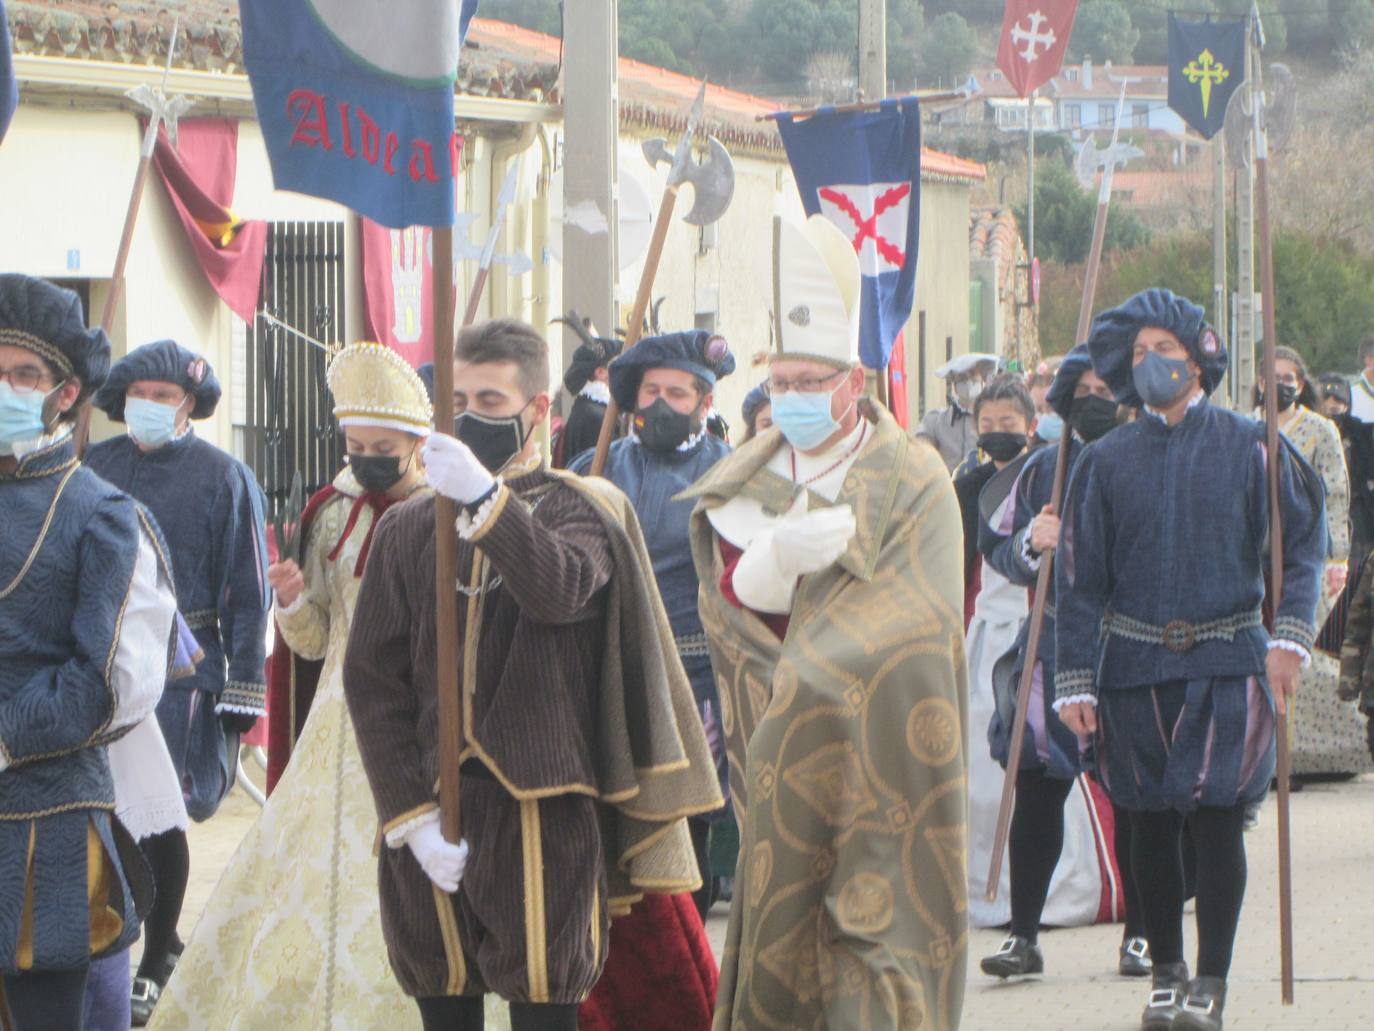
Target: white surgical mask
21,416
151,423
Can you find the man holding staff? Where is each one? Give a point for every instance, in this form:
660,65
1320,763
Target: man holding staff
581,749
1162,650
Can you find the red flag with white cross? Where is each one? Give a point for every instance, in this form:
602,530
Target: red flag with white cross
1035,34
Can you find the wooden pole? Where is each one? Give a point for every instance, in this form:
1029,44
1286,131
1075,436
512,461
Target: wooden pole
1271,423
1045,578
866,105
634,330
450,710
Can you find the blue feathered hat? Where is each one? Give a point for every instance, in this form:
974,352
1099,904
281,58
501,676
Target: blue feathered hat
165,361
1066,377
1112,340
754,400
696,351
47,320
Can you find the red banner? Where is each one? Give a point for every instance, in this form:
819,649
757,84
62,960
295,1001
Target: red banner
199,175
398,289
1035,34
896,382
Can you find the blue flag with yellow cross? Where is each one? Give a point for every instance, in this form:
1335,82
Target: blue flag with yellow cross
1206,67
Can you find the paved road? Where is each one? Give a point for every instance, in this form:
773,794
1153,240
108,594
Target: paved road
1333,855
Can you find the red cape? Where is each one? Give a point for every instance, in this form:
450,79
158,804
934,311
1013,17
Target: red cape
660,974
290,677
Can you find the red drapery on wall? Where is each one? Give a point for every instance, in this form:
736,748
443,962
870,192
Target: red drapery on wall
199,175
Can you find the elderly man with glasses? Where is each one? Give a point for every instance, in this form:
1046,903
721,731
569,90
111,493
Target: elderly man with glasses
828,550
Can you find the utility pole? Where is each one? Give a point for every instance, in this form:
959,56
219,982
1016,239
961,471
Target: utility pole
591,119
873,49
1219,242
1244,344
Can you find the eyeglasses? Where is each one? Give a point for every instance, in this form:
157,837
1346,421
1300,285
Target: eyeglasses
802,385
23,380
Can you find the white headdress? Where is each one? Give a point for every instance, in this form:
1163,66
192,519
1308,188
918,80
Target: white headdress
819,291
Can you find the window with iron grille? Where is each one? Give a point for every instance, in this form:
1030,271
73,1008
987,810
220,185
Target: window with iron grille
283,414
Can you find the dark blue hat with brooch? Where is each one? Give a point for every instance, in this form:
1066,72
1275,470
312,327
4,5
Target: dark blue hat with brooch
696,351
167,362
1112,340
1066,377
754,400
47,320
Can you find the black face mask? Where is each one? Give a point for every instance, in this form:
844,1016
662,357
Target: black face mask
377,474
660,428
1092,416
495,441
1002,447
1288,396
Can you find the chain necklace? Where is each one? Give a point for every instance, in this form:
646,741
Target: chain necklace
863,435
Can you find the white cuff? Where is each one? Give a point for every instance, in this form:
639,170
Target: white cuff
758,582
1074,699
396,837
1030,558
470,526
1293,646
293,608
240,710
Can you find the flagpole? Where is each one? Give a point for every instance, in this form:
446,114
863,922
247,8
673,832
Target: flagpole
1030,178
82,432
450,702
1271,422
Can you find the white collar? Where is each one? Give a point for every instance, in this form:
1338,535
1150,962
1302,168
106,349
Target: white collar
595,390
24,448
1193,402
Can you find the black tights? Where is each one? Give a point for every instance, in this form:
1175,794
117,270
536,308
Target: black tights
169,855
704,896
1135,919
46,1000
1035,842
467,1013
1157,855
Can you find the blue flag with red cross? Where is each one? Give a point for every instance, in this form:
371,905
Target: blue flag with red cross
862,170
355,99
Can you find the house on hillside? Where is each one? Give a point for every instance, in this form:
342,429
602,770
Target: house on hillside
1081,98
72,151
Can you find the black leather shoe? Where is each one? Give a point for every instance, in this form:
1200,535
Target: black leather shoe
142,1000
1167,992
1135,958
1015,958
1201,1010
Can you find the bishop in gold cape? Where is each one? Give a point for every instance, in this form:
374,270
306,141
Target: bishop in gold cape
847,754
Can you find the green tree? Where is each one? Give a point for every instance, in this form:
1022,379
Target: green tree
906,22
1103,31
1275,25
1356,23
1064,214
949,50
785,33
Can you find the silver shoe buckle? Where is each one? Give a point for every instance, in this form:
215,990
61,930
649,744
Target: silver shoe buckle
1190,1006
1137,947
1161,998
1007,947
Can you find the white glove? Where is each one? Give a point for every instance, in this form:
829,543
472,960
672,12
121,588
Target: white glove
442,863
453,470
810,543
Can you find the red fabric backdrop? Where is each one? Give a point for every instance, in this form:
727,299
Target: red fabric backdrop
199,176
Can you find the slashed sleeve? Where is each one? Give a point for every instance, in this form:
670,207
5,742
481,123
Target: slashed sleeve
245,601
1010,553
1304,544
75,704
304,624
1082,582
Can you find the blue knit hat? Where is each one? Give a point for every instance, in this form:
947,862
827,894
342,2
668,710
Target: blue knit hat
165,361
696,351
1112,340
1066,377
47,320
